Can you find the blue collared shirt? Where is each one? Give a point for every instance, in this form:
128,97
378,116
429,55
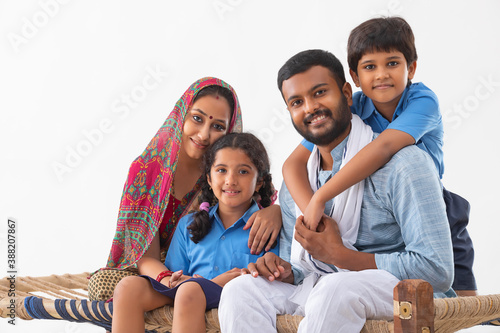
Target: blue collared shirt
417,114
219,251
403,220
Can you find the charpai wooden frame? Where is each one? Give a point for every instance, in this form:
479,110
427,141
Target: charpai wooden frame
415,309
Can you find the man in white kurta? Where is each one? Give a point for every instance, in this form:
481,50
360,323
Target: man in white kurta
403,233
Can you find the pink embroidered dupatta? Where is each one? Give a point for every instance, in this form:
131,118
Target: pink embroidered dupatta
148,187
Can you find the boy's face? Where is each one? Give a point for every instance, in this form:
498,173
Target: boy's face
383,77
319,109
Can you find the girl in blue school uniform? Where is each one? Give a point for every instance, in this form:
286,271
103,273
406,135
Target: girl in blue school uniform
209,247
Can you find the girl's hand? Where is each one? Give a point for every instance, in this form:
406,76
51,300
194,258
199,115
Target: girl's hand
174,279
224,278
266,225
314,211
178,278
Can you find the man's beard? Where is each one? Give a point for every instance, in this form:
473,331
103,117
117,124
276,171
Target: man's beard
336,128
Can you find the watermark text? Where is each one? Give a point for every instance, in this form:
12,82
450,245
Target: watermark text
121,107
11,269
30,27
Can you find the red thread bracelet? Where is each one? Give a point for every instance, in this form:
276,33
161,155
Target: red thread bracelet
163,275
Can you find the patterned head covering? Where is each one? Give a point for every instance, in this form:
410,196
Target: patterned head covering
149,182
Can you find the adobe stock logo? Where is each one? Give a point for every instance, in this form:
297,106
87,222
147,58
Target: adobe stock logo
470,103
224,6
278,121
120,109
39,20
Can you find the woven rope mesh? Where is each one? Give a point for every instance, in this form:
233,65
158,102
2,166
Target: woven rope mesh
451,314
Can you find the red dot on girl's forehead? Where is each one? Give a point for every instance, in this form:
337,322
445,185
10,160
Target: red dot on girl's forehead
216,97
210,117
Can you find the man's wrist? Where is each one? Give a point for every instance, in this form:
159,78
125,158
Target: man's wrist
354,260
340,256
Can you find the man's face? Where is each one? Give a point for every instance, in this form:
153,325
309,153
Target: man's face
319,109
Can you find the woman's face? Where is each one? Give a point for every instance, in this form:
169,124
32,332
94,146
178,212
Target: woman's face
206,121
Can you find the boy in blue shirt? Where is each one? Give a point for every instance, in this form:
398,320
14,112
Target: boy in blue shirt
382,62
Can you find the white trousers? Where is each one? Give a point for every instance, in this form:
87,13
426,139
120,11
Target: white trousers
339,302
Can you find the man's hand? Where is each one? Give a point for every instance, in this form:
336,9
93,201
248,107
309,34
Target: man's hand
272,268
224,278
326,245
266,225
323,245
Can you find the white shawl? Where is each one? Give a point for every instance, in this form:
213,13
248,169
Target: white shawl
346,212
346,206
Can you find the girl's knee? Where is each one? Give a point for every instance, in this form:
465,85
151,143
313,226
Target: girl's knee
130,287
189,294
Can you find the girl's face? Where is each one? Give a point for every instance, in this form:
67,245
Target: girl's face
206,121
234,179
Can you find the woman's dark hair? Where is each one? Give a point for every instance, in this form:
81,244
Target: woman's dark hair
255,150
383,34
215,91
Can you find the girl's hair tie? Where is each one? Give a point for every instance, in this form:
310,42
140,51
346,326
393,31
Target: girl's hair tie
204,206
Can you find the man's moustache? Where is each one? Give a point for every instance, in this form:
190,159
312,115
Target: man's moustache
318,113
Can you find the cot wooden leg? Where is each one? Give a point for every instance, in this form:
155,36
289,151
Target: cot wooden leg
413,307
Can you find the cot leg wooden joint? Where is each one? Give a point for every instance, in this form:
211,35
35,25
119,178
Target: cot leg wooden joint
413,307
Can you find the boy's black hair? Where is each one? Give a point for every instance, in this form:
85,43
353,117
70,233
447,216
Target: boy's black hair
382,34
304,60
256,151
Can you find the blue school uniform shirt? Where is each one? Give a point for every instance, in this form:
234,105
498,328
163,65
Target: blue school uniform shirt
417,114
219,251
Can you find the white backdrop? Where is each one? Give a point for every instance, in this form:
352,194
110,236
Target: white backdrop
86,84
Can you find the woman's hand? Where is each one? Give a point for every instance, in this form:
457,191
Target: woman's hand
150,263
224,278
266,225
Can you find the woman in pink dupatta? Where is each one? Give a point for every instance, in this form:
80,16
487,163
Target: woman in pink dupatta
163,185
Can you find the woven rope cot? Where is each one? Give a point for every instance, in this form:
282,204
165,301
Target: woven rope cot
64,297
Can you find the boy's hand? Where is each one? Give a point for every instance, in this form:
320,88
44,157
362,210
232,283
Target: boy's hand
325,244
314,211
272,268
